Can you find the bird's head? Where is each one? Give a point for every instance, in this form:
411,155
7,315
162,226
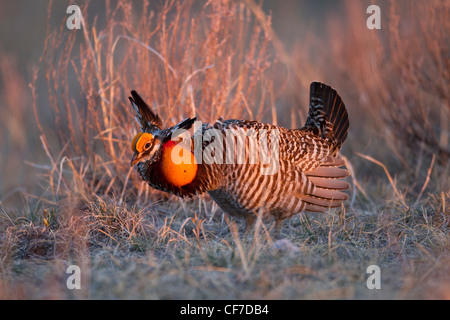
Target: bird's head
146,147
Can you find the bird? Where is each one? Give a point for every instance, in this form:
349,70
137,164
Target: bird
249,168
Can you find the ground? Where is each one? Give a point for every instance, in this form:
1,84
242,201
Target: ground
69,197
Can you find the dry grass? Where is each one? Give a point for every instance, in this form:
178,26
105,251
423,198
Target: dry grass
145,253
400,78
224,59
211,66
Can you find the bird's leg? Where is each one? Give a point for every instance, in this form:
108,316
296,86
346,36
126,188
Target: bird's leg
277,229
249,222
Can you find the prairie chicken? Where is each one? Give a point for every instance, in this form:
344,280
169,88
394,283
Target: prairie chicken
302,173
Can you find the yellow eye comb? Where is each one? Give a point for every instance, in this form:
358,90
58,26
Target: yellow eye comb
140,140
133,143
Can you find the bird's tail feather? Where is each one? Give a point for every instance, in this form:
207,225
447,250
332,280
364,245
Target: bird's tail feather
327,115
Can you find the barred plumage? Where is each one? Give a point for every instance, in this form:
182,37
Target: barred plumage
276,171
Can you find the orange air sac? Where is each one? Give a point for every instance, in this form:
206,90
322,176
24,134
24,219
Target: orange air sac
178,164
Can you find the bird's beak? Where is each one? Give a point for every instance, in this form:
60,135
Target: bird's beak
135,159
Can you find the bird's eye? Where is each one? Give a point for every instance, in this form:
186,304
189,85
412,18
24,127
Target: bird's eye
147,145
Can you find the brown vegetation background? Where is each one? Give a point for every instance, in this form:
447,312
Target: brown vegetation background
67,191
